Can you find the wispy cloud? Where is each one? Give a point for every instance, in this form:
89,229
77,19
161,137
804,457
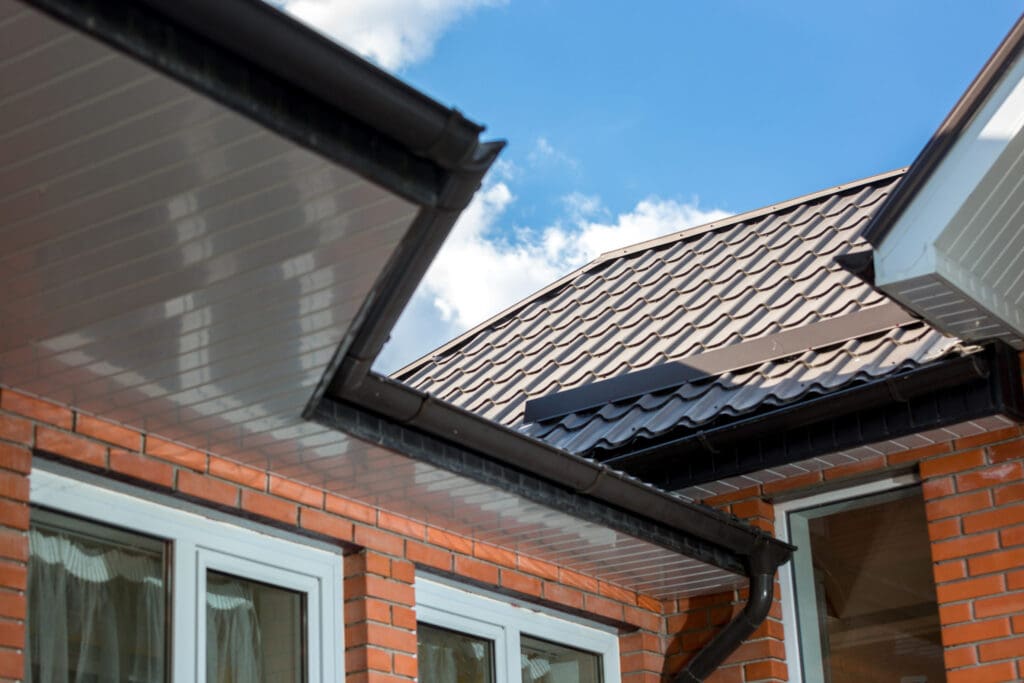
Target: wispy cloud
544,153
479,272
392,33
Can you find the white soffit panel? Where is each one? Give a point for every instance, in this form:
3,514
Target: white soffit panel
167,262
954,254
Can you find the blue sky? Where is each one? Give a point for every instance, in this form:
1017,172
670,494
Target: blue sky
629,120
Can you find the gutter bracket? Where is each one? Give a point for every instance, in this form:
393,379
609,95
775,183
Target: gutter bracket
762,564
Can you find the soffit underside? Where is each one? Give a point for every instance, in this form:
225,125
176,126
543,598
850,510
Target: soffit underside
175,267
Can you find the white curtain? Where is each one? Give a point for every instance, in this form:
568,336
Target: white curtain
452,658
234,648
96,613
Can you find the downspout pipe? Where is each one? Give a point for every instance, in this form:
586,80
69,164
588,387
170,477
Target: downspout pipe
761,574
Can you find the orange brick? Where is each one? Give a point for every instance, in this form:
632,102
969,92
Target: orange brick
176,453
71,446
350,509
866,465
602,606
429,556
964,546
540,568
958,505
915,454
1013,493
988,673
937,488
641,618
950,464
610,590
12,665
651,604
733,496
974,632
990,476
405,665
403,571
1007,603
768,668
380,541
268,506
35,408
944,528
986,438
790,483
13,575
956,613
13,486
238,473
960,656
1013,450
207,488
140,467
563,595
581,581
14,515
1015,580
13,545
328,525
392,638
296,491
403,617
373,586
476,570
12,633
641,661
994,519
453,542
402,525
12,604
1012,536
950,571
730,674
520,583
15,458
636,642
15,429
755,507
110,432
996,562
971,588
494,554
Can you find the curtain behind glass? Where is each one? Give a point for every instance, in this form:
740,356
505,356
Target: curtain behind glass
451,657
254,632
96,608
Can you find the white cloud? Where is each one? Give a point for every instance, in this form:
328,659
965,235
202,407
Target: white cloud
392,33
478,273
546,154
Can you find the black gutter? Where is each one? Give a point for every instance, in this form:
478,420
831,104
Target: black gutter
930,396
761,571
969,104
497,447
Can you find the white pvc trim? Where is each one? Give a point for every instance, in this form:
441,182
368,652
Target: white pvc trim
786,577
199,543
462,610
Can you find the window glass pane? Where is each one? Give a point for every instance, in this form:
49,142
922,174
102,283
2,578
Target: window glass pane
254,632
544,662
96,603
874,591
450,657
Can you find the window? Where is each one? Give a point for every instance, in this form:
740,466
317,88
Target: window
129,589
466,637
863,594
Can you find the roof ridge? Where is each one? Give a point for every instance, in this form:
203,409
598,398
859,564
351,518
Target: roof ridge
604,258
733,220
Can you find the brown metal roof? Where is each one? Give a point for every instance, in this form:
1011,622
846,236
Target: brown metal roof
758,277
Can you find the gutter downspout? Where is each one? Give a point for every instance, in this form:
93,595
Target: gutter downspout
759,602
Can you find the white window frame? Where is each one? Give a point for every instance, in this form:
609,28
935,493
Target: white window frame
199,543
474,613
787,575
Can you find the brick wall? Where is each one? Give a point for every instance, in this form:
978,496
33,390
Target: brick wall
385,549
974,501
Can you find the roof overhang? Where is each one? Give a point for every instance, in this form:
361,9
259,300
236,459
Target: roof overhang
948,243
211,212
